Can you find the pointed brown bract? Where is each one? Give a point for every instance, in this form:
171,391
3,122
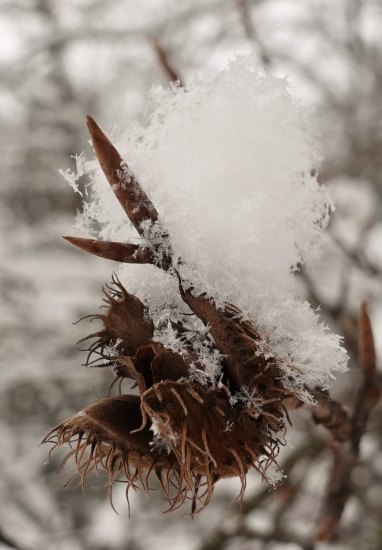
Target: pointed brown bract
370,391
238,341
138,207
111,250
128,191
152,363
126,319
367,359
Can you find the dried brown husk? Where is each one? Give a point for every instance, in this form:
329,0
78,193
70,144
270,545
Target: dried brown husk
208,435
125,326
109,435
188,428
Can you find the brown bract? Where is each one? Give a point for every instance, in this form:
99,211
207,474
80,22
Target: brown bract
187,427
119,252
125,325
128,191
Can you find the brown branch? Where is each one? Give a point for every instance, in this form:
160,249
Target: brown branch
336,311
346,454
251,31
166,64
308,450
331,415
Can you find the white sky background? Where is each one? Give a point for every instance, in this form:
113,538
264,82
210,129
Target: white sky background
90,60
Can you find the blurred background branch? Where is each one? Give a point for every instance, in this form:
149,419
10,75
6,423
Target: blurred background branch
62,60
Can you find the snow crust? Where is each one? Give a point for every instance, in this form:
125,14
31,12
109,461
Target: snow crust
227,163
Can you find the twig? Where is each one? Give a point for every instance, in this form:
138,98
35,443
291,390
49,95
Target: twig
4,539
128,191
332,415
251,31
166,64
346,454
218,538
356,257
309,449
335,311
370,390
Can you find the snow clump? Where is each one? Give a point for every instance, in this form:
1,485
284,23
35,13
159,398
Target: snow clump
228,163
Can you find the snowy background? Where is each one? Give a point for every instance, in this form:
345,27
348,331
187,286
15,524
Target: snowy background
62,60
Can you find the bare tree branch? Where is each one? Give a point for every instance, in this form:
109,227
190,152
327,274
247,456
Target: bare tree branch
4,539
346,453
166,64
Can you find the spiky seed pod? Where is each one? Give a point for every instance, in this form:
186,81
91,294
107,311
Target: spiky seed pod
109,435
207,434
189,428
126,325
238,341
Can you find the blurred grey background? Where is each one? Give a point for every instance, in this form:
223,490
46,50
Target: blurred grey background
62,60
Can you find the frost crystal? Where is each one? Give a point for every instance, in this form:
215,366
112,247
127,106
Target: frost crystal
112,350
73,177
228,163
250,399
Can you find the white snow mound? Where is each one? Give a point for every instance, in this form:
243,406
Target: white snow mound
227,163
